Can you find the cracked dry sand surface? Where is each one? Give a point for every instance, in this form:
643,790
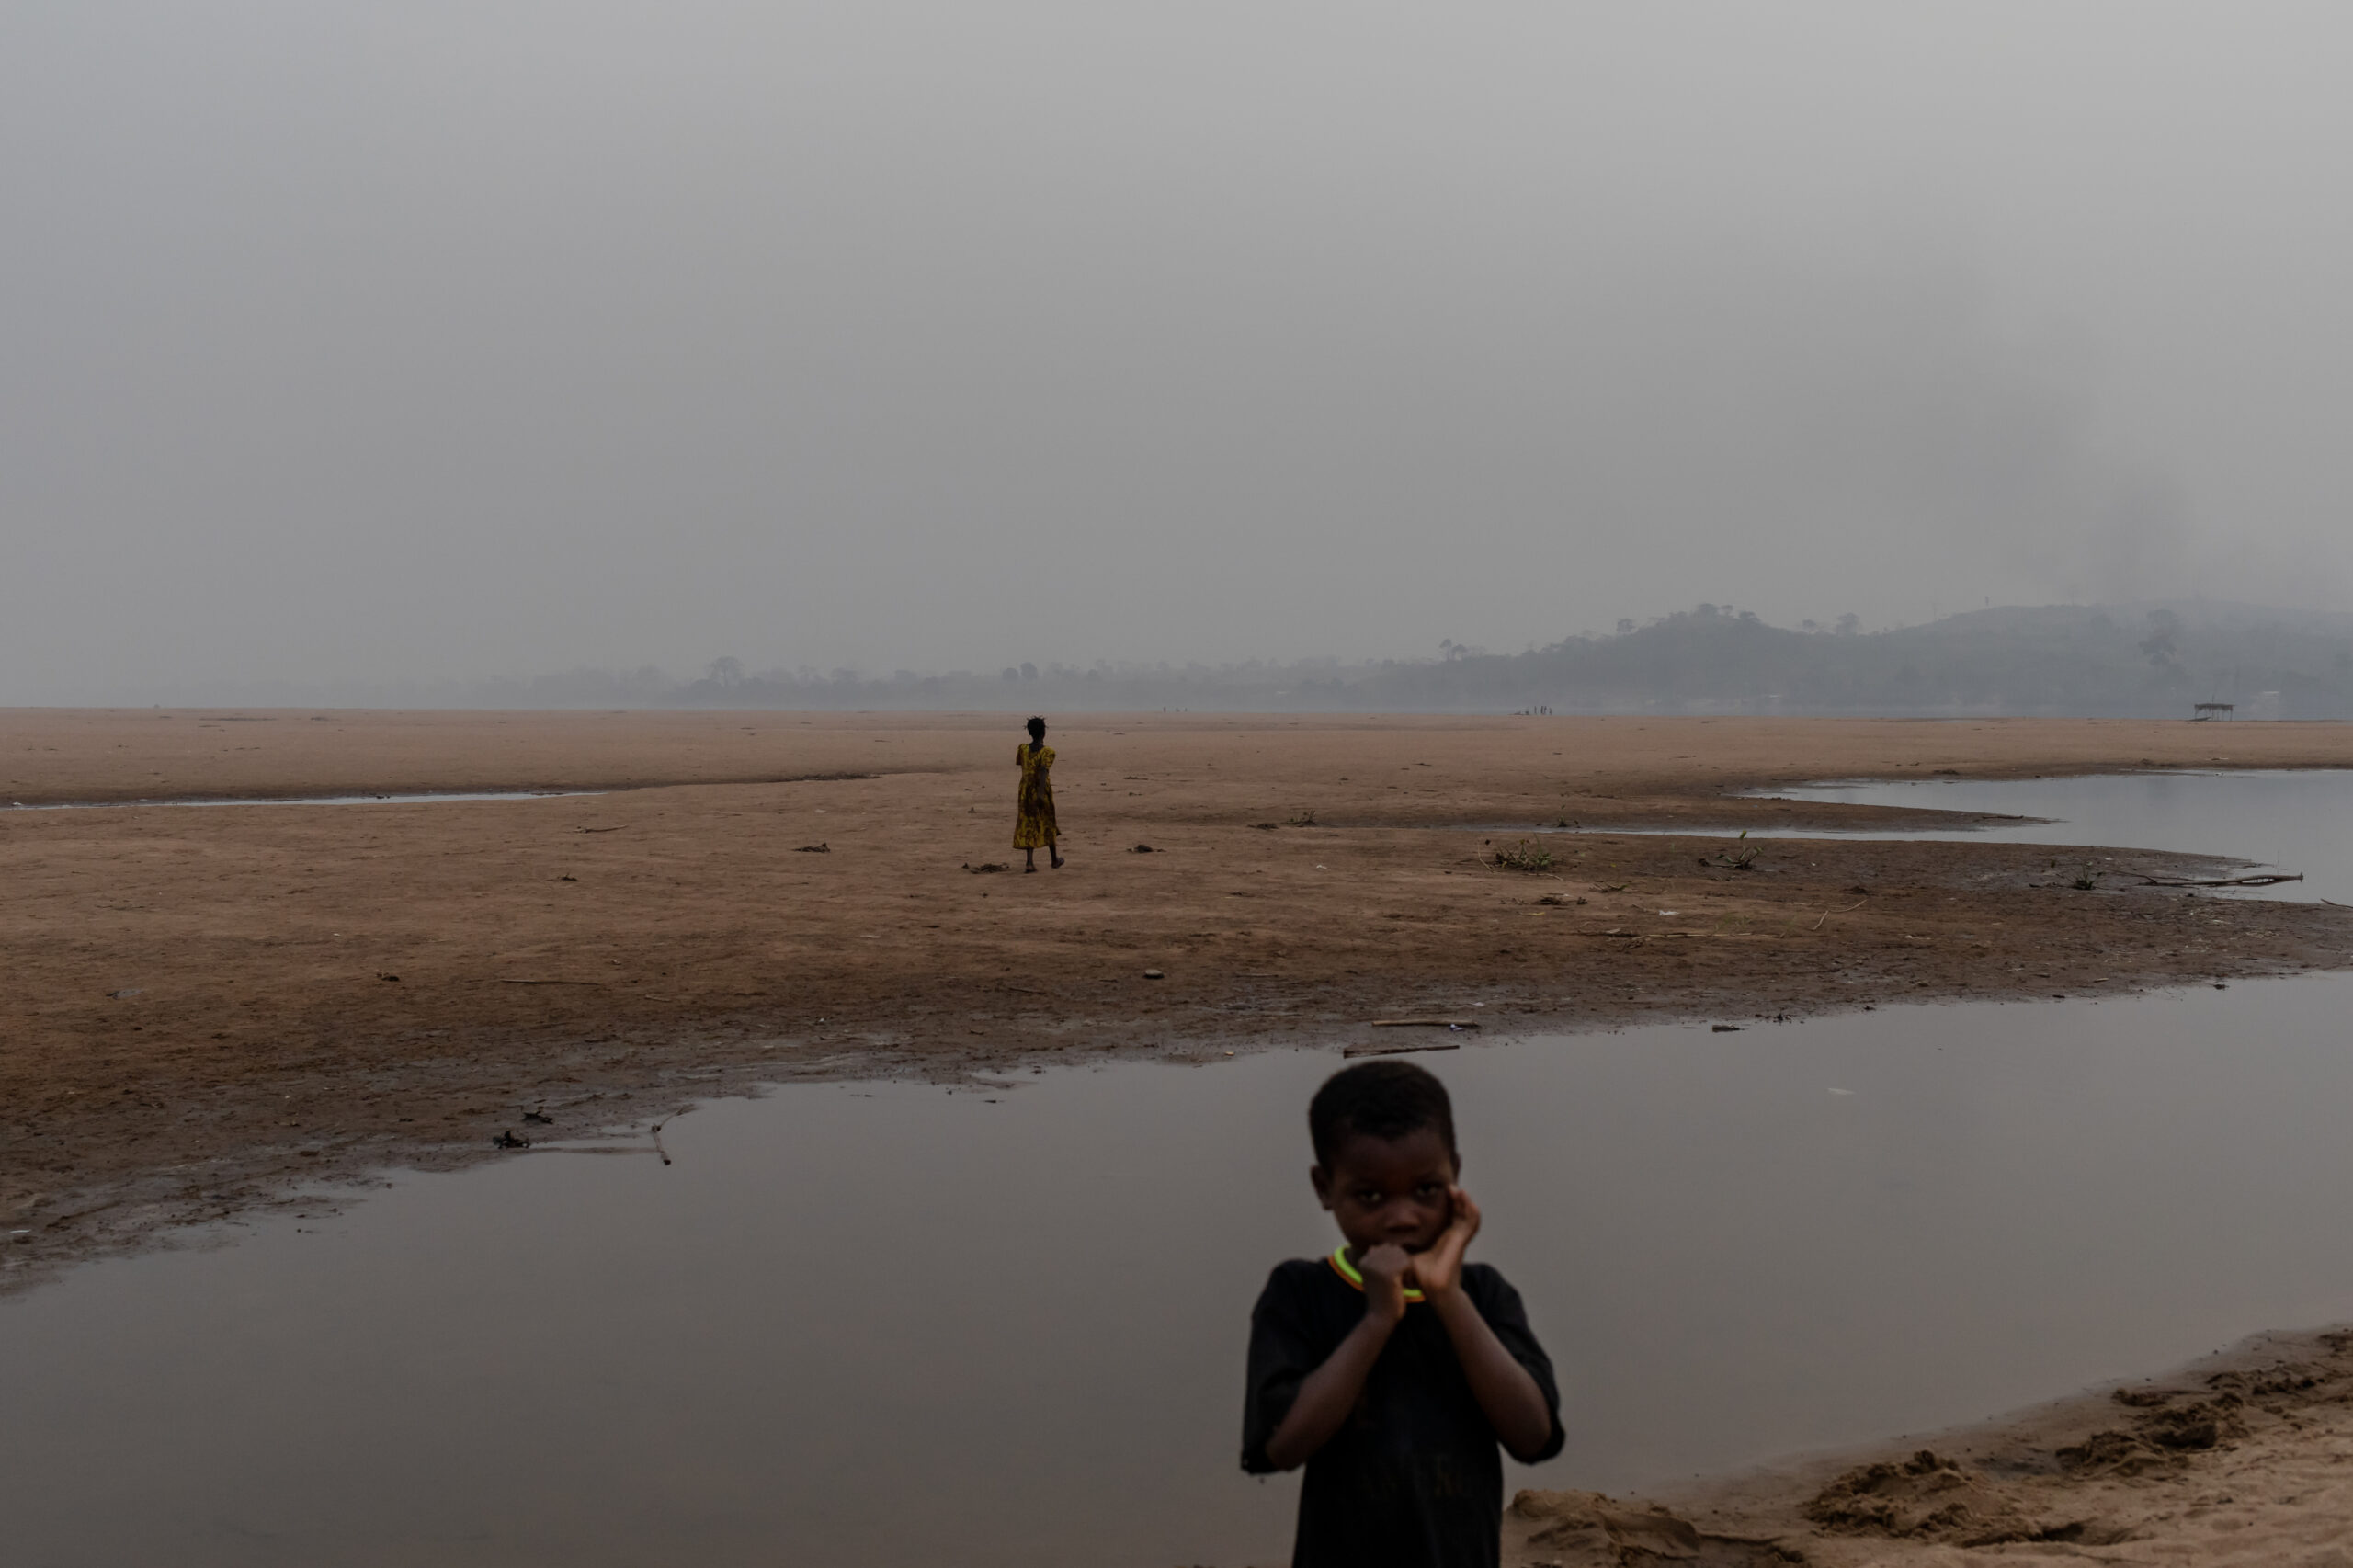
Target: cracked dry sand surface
209,1007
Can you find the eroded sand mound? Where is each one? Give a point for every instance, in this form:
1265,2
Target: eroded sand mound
2245,1459
1574,1529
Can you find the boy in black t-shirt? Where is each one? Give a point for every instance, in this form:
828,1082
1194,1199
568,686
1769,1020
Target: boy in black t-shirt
1391,1368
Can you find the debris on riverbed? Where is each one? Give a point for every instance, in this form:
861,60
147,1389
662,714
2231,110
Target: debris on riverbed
1736,859
1426,1023
1525,855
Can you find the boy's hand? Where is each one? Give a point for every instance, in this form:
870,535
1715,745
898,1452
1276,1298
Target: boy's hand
1384,1268
1440,1270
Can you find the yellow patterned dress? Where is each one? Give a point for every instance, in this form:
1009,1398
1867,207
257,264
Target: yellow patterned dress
1033,827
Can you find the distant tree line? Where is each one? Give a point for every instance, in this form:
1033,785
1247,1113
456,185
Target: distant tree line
2147,660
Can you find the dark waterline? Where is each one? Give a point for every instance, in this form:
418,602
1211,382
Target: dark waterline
306,799
891,1325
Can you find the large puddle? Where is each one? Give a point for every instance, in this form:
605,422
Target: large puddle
2292,820
893,1325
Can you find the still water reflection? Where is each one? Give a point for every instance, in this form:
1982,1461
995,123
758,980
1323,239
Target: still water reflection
2295,820
921,1327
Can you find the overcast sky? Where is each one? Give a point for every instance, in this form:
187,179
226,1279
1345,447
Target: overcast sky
418,339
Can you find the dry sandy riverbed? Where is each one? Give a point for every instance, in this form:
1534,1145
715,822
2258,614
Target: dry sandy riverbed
207,1007
205,1003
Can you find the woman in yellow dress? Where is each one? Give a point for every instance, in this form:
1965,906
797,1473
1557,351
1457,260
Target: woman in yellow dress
1033,824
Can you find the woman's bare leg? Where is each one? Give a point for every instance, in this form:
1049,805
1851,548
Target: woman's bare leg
1054,850
1033,860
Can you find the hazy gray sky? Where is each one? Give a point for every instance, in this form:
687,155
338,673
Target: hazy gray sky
421,339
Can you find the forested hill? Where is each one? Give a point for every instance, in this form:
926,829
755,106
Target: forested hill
2143,660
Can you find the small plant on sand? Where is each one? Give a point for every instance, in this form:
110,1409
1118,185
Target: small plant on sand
2085,879
1305,819
1740,859
1525,855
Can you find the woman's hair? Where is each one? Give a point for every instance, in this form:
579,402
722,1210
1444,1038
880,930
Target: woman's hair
1377,1099
1037,727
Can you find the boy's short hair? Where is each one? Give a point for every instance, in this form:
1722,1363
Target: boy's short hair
1377,1099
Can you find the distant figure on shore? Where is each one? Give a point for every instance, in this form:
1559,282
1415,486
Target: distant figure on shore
1033,825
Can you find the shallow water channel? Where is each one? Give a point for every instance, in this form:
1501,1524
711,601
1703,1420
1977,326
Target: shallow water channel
888,1323
2293,819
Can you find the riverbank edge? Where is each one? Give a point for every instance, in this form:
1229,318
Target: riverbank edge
669,1073
2238,1456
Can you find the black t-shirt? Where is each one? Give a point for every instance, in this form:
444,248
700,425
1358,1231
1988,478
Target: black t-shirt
1415,1477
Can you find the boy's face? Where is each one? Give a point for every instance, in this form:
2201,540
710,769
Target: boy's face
1390,1190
